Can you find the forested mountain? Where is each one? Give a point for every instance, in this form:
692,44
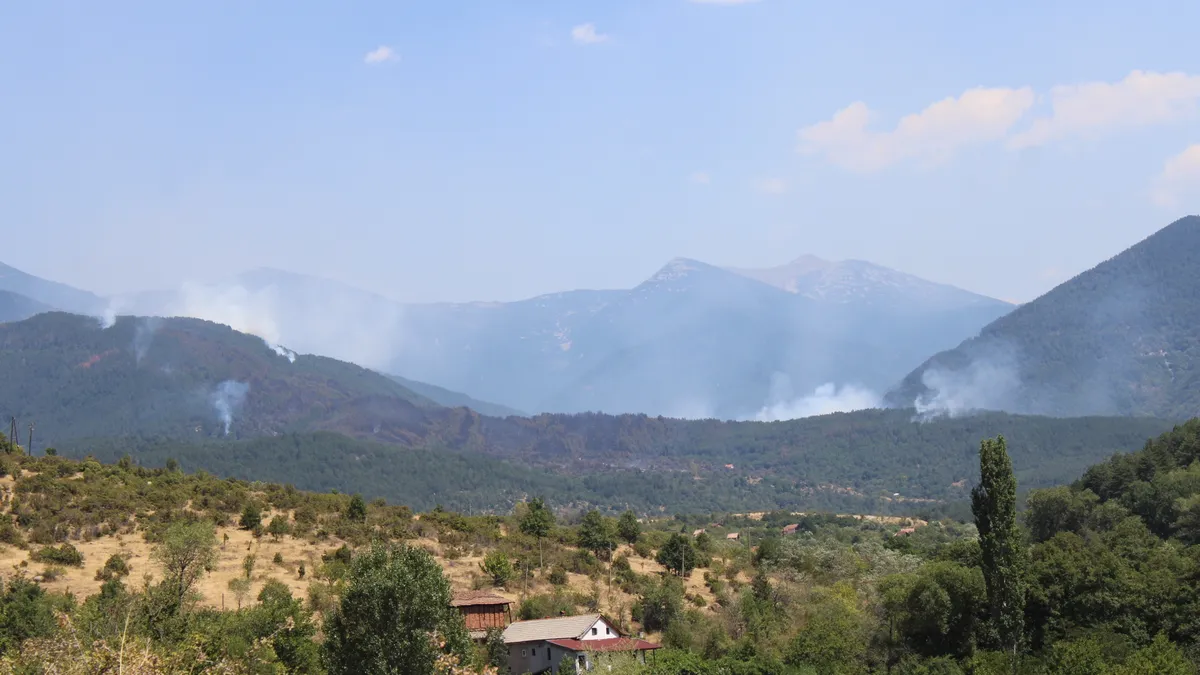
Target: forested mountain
49,293
693,340
182,382
1119,339
454,399
14,307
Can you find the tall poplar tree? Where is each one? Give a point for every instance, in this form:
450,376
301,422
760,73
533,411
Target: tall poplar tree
994,503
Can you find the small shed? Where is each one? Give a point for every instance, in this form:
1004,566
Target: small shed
791,529
483,610
733,536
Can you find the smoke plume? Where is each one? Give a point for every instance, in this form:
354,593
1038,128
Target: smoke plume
988,382
824,400
143,337
227,398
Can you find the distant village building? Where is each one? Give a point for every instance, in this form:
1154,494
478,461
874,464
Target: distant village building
482,610
539,646
907,530
698,532
791,529
733,536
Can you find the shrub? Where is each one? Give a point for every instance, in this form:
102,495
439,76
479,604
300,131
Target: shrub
497,565
278,559
114,568
558,576
62,555
251,517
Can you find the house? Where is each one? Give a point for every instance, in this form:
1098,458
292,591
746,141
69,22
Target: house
698,532
539,646
791,529
482,610
905,531
733,536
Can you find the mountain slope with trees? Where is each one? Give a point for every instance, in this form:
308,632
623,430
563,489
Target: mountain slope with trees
176,382
49,293
692,340
1119,339
15,307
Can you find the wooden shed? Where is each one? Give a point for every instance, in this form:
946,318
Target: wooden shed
483,610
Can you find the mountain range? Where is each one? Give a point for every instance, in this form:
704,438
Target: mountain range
226,401
1118,339
694,340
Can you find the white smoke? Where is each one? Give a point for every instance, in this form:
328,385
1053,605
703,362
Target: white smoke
227,398
985,384
234,306
824,400
340,323
143,336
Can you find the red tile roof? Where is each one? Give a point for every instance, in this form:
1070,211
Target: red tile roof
610,645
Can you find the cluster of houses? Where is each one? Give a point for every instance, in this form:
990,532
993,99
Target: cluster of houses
539,646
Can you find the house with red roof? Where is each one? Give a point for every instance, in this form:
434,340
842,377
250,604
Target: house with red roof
539,646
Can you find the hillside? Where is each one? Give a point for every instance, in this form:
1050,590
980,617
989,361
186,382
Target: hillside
49,293
167,388
454,399
1118,339
14,307
96,548
182,377
859,281
692,340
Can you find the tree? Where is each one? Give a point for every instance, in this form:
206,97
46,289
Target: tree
394,616
185,552
628,527
251,517
678,554
278,526
496,650
497,565
597,534
537,522
356,511
994,503
290,626
240,587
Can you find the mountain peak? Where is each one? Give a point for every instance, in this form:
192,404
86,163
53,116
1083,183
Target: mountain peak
857,281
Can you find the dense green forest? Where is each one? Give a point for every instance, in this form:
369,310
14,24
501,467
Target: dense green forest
1102,576
165,388
1119,339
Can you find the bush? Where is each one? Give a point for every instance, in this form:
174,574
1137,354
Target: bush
251,518
114,568
278,559
558,576
62,555
497,565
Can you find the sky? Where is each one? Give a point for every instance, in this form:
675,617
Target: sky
500,149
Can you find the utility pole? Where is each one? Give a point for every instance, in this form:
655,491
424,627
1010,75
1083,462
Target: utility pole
30,446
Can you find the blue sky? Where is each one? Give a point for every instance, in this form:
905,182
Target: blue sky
497,150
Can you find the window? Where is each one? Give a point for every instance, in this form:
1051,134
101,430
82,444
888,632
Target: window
533,651
522,653
595,631
607,631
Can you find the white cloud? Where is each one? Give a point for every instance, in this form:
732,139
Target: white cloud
979,115
701,177
585,34
772,186
1094,108
1180,177
381,54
